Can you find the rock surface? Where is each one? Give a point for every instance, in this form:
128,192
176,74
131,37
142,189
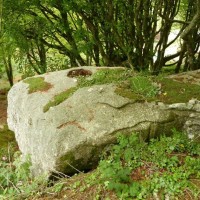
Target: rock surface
192,125
71,135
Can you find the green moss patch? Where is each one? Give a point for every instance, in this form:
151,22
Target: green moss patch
59,98
37,84
176,92
158,89
139,88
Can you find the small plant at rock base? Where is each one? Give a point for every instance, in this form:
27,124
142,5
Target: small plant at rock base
162,168
16,181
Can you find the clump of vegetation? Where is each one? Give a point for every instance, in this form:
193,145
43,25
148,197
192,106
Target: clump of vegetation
59,98
139,88
105,76
16,181
143,86
37,84
164,168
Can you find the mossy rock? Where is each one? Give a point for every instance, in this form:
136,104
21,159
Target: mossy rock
168,90
59,98
138,87
178,92
37,84
102,76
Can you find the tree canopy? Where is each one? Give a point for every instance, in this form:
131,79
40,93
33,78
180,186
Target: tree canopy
130,33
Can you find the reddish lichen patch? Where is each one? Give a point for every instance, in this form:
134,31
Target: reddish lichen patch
72,123
79,72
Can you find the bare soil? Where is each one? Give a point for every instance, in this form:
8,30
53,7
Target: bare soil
3,107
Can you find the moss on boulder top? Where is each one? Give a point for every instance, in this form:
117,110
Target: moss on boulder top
167,90
134,86
37,84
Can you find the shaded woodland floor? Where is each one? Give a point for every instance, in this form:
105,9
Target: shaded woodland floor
3,107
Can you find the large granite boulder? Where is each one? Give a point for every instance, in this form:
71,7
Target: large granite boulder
71,135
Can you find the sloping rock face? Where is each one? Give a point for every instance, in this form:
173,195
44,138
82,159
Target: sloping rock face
192,125
71,136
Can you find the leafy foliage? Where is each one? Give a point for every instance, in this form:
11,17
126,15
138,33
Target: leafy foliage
16,181
163,168
109,33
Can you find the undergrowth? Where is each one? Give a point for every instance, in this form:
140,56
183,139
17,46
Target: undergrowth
16,182
164,168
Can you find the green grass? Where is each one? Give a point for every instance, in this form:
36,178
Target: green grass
37,84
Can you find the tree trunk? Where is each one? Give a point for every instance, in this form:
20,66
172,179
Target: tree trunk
9,69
